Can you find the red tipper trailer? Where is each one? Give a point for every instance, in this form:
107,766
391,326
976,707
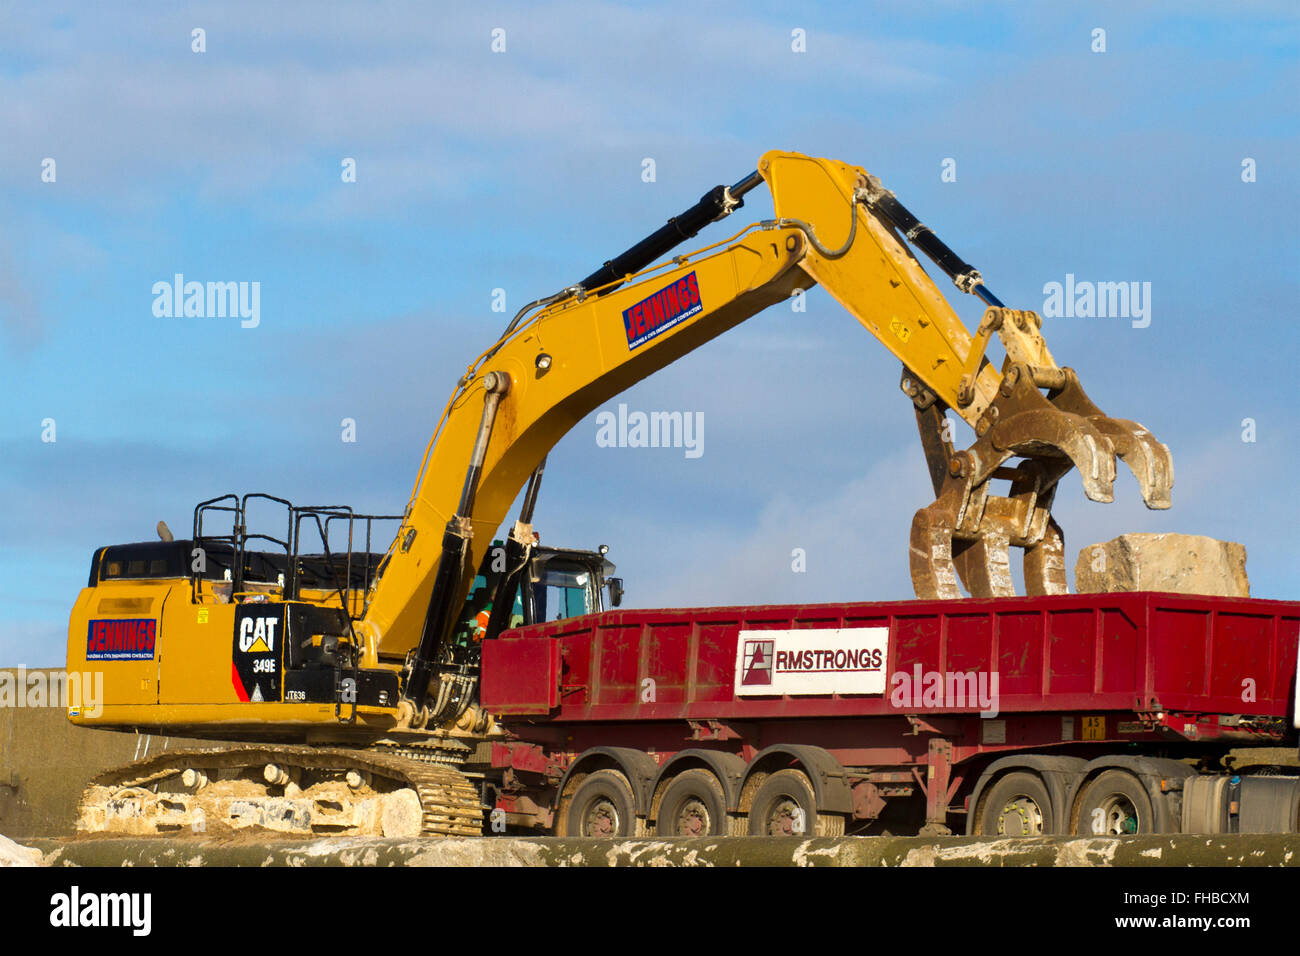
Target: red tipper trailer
1092,713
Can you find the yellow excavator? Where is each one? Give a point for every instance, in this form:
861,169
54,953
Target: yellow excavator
347,673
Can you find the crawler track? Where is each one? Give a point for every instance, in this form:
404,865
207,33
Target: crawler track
148,796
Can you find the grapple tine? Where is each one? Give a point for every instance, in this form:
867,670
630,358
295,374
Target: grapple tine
984,565
1045,563
1148,459
1033,432
934,576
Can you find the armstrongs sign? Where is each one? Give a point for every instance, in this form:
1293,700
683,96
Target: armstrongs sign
810,662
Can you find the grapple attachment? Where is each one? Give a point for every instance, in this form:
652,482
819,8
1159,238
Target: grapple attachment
965,537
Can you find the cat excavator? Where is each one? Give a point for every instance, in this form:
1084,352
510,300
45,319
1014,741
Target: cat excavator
347,674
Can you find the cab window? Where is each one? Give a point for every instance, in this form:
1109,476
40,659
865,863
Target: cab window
564,591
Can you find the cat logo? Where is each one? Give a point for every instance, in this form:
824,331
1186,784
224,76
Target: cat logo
255,659
257,635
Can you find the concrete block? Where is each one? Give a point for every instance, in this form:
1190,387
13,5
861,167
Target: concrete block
1177,563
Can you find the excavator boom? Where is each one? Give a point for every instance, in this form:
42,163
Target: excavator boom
565,355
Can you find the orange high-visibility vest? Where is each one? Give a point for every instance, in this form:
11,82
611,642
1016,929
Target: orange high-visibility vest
481,619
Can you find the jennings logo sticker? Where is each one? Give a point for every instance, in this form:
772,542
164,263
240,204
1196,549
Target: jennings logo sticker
659,312
117,640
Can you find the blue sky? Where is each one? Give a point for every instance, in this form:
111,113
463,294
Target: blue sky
522,171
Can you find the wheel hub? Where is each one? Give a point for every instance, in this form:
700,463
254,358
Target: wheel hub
781,821
1024,814
693,819
601,819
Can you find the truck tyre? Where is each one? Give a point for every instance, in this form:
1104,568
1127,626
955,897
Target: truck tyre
602,806
1018,805
1114,804
692,806
785,806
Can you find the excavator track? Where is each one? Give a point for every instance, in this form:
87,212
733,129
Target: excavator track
447,752
288,789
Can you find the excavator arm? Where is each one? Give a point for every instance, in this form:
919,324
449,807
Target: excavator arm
564,356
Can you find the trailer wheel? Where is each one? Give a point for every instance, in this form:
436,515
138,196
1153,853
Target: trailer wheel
785,806
1114,804
1018,805
601,806
692,806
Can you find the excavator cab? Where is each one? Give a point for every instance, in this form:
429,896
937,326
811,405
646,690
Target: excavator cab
558,583
570,583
